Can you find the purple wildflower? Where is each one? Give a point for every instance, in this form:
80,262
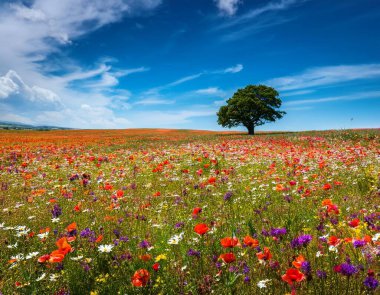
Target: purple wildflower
301,241
347,269
359,243
277,232
305,267
321,274
227,196
193,252
179,224
371,283
144,244
57,211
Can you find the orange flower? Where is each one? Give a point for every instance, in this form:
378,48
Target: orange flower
229,242
251,242
227,257
99,239
145,257
140,278
201,229
293,275
71,227
333,241
63,246
56,256
297,263
264,255
326,202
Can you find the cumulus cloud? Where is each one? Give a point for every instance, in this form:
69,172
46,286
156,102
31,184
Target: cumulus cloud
34,30
12,85
227,7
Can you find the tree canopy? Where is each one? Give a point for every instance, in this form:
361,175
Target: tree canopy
251,106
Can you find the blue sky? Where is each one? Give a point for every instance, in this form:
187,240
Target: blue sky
173,63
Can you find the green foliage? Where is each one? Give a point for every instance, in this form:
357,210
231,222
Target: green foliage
250,107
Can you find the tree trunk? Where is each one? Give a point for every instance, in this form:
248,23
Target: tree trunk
251,130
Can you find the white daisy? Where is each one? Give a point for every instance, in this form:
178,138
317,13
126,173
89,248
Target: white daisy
76,258
41,277
31,255
54,277
43,235
174,240
262,284
105,248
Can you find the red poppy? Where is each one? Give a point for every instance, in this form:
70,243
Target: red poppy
156,266
251,242
293,275
229,242
201,229
140,278
211,180
108,187
354,223
227,257
333,241
197,210
44,258
327,186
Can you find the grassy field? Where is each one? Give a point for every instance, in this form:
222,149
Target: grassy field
189,212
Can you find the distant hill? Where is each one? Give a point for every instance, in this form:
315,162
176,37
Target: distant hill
21,126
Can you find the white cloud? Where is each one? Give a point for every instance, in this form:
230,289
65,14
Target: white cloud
210,90
256,20
227,7
184,79
35,29
269,7
154,101
322,76
295,93
353,96
214,91
236,69
11,84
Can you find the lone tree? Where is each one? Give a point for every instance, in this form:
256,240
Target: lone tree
250,107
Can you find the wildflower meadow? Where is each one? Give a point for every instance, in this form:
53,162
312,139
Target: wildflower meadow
189,212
